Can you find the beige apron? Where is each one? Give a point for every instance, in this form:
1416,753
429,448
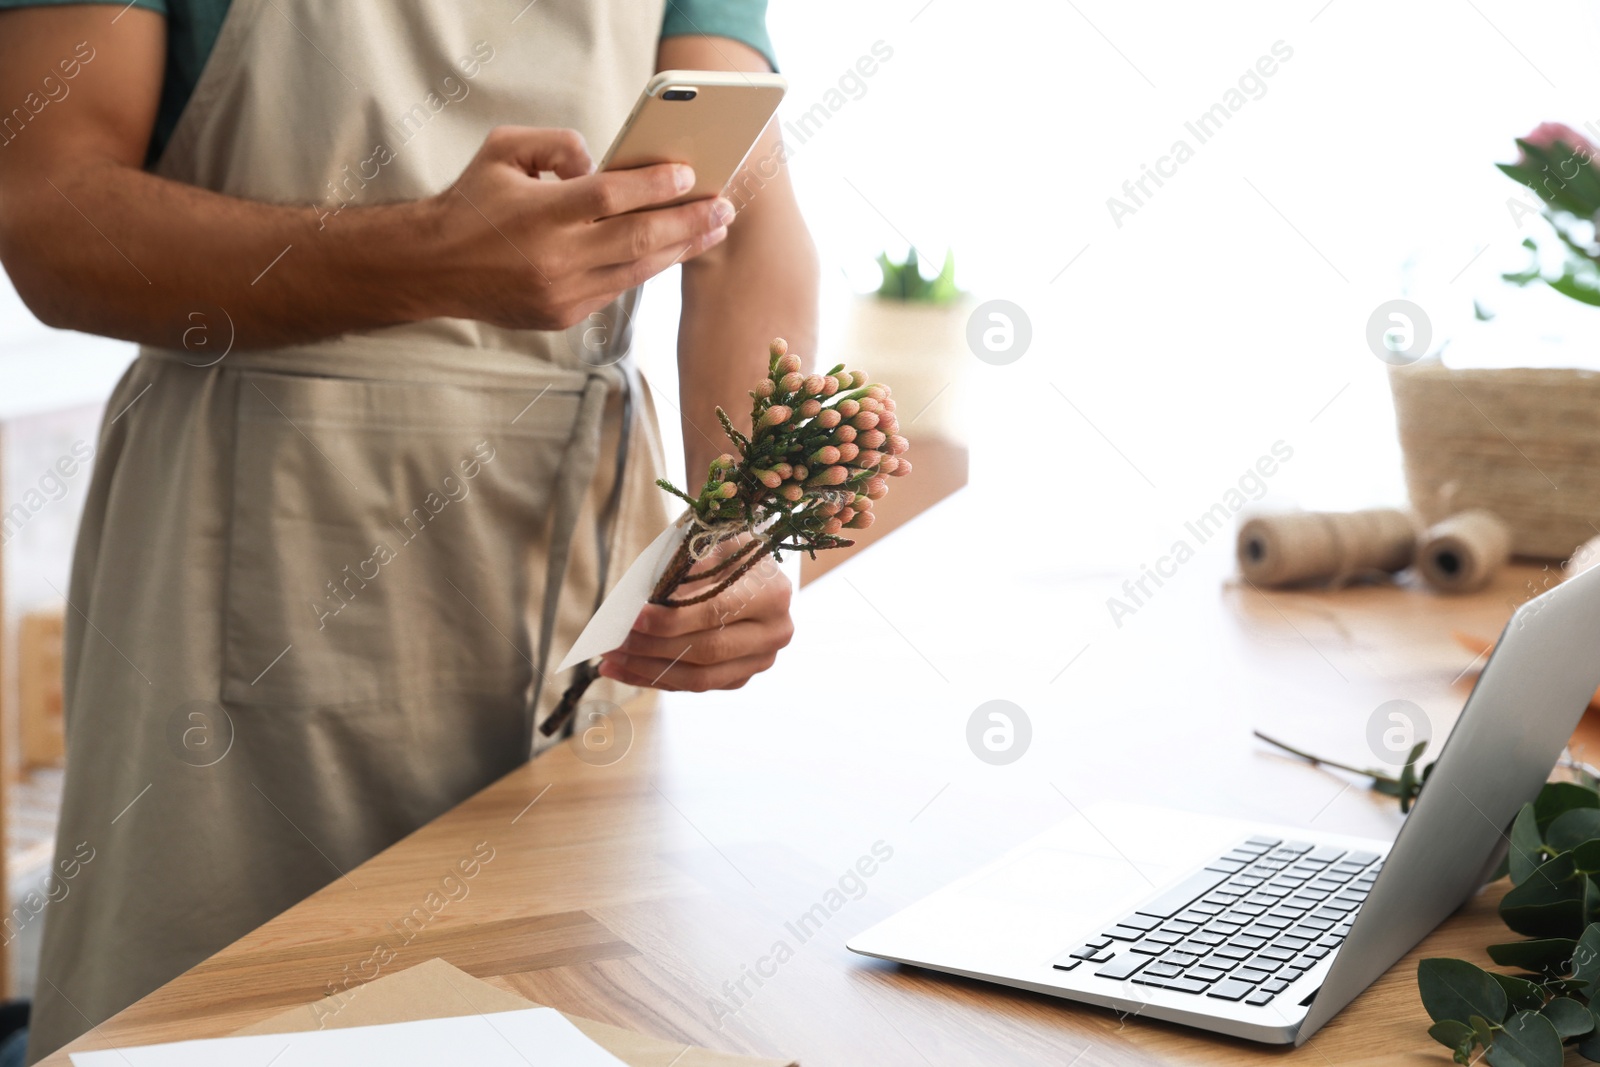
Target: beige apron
312,597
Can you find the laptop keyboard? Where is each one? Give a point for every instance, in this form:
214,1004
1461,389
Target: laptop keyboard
1241,929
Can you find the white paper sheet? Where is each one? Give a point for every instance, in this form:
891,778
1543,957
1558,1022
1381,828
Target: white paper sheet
539,1037
614,618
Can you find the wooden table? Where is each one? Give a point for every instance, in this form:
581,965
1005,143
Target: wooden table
632,889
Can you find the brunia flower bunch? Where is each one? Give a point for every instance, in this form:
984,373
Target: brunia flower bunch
820,452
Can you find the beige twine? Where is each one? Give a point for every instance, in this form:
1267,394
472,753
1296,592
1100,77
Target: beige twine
1328,548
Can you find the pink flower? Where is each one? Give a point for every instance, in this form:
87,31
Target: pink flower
829,418
862,520
832,526
847,451
830,385
902,469
789,365
878,393
868,459
765,388
847,408
1547,135
877,488
770,479
898,444
865,421
776,415
844,434
779,347
791,382
873,438
826,455
810,408
791,492
813,385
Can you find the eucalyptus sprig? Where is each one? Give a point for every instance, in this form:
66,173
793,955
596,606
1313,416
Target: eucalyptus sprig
1405,786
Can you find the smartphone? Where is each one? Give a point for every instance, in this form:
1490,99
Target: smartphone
709,119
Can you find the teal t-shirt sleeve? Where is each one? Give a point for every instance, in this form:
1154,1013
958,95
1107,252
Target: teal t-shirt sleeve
742,20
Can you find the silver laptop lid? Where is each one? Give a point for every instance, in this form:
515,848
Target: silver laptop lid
1527,702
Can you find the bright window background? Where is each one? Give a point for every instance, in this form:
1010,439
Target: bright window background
1229,311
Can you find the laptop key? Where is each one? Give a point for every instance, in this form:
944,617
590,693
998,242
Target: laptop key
1178,926
1316,923
1275,985
1244,940
1316,952
1205,973
1277,922
1148,948
1066,964
1325,854
1163,937
1183,894
1162,969
1266,842
1294,943
1098,942
1361,857
1259,997
1279,952
1264,963
1189,948
1180,959
1207,937
1229,989
1140,922
1121,968
1249,974
1092,954
1232,952
1225,866
1124,933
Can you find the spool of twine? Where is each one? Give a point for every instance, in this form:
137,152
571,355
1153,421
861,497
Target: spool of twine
1325,547
1588,555
1464,552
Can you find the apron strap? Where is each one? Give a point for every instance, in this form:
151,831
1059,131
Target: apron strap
575,476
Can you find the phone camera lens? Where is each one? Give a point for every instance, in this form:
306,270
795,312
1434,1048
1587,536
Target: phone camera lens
678,94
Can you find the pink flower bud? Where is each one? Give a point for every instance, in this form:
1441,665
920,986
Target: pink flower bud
889,404
898,444
789,365
791,492
862,504
800,472
725,461
830,385
830,476
873,438
877,488
827,511
868,459
779,347
727,490
832,526
783,470
846,514
810,409
791,382
829,418
858,379
878,393
869,404
825,455
765,388
776,415
845,434
864,421
847,451
770,479
889,464
847,408
903,469
888,423
862,520
813,385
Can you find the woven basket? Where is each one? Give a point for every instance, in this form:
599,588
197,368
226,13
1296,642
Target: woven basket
1522,443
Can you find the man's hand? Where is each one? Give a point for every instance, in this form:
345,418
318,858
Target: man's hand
719,644
532,254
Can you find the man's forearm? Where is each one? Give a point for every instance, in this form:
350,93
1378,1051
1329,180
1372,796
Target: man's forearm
761,284
109,249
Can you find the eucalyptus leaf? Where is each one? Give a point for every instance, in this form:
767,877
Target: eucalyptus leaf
1571,1018
1558,797
1586,959
1527,846
1550,903
1528,1040
1577,289
1455,989
1586,857
1546,955
1589,1046
1458,1037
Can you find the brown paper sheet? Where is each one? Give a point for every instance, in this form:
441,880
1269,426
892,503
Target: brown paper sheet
436,990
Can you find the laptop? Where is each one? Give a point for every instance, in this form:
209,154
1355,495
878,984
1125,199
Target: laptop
1259,931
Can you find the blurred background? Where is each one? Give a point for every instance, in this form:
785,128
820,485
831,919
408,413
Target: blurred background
1155,347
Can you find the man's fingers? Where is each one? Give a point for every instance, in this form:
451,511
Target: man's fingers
535,148
609,281
628,238
656,673
659,621
733,641
616,192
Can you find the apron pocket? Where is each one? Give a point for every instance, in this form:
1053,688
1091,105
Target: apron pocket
380,537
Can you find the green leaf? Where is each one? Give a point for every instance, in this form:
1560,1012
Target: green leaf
1528,1040
1548,955
1586,959
1570,1017
1455,989
1589,1047
1577,289
1550,903
1522,994
1527,847
1458,1037
1558,797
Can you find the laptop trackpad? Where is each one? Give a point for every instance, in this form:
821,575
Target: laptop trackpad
1086,884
